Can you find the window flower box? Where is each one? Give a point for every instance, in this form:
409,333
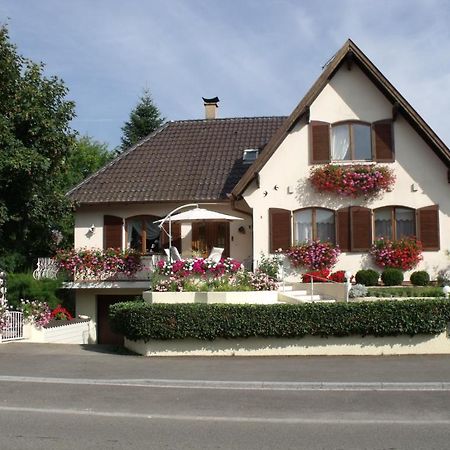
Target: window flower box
352,180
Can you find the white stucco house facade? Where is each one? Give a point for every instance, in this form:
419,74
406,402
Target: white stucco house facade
351,115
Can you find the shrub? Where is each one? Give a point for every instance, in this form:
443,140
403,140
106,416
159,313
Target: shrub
35,312
402,254
142,321
406,291
314,255
392,277
368,277
420,278
270,265
358,290
23,285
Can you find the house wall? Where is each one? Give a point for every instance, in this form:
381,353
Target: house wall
85,217
351,95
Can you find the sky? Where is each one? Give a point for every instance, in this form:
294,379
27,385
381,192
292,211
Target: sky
258,56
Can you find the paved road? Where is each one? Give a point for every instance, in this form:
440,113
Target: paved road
58,397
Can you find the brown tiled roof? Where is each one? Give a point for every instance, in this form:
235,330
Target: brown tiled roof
184,160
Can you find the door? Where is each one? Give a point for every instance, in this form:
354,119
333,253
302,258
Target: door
104,333
206,235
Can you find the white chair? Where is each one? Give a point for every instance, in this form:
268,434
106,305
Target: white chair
216,254
175,254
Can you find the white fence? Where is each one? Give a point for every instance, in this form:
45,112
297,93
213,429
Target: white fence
13,328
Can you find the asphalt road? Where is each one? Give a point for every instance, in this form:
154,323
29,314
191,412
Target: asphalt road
75,397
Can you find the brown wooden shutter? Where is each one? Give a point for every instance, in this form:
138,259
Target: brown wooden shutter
320,142
343,229
428,227
360,228
279,229
383,140
112,232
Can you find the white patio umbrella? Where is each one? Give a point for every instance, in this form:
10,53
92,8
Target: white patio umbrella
193,215
199,214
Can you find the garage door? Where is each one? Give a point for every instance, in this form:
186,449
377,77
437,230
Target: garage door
104,333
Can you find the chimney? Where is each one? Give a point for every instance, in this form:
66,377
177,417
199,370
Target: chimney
210,107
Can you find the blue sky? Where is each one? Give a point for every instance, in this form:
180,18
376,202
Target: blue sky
258,56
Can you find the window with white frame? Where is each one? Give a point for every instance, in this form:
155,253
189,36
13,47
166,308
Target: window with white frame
351,142
314,223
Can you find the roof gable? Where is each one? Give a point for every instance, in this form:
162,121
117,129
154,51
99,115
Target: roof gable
349,54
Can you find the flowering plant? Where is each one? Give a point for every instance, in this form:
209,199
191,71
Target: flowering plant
352,180
402,254
198,266
319,276
314,255
36,312
93,264
3,316
61,313
204,275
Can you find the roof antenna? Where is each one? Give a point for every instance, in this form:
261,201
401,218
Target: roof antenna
329,60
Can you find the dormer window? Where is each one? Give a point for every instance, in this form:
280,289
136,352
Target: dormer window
250,155
351,142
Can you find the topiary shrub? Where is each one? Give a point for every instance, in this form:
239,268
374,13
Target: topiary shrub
392,277
367,277
420,278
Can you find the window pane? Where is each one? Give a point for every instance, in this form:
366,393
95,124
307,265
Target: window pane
340,143
135,234
325,225
362,142
383,223
404,219
303,226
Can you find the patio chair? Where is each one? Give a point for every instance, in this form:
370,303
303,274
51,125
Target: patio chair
175,254
216,254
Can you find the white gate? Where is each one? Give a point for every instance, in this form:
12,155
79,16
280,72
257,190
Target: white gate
13,327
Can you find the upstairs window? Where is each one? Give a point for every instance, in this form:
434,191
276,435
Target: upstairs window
394,222
314,223
351,142
250,155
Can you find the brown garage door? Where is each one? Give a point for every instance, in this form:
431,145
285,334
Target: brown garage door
104,333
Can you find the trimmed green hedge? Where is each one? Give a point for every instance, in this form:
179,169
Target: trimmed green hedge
406,291
142,321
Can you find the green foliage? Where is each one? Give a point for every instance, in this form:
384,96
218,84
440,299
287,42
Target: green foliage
200,321
406,291
85,158
420,278
24,286
367,277
144,119
270,265
392,277
35,139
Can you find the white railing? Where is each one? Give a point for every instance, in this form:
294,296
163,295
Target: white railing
46,268
13,327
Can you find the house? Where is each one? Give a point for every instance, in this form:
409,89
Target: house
258,169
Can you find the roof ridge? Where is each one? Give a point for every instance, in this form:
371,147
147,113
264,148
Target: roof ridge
221,119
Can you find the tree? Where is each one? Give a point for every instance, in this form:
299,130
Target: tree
144,119
35,140
85,158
